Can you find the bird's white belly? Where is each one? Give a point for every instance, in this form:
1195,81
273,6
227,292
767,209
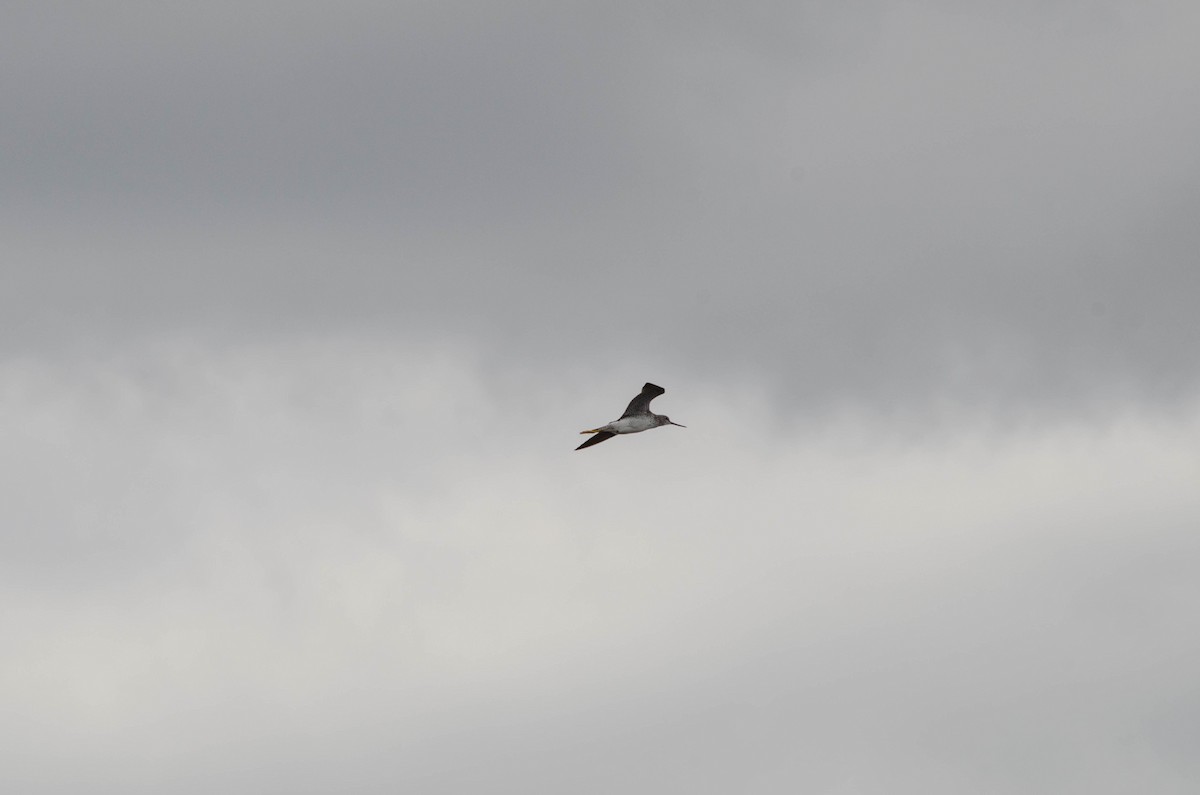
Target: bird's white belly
631,425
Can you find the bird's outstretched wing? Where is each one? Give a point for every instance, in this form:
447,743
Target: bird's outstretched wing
597,439
641,403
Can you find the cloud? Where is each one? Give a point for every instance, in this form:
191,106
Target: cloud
302,309
886,206
329,557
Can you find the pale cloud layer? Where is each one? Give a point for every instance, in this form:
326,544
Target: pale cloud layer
303,308
236,572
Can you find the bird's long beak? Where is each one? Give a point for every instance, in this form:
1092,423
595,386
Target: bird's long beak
676,423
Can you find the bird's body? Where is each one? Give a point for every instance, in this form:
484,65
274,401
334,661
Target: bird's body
637,418
634,424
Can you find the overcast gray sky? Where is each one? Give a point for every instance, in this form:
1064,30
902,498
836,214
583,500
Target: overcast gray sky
304,305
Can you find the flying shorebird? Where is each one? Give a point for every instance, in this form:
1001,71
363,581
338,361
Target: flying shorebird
637,418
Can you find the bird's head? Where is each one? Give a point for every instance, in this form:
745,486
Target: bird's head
663,419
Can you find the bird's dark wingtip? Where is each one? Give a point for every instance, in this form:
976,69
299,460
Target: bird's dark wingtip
597,439
641,402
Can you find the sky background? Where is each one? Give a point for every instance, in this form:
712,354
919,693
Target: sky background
304,304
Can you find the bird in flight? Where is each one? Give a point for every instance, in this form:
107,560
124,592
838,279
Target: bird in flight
637,418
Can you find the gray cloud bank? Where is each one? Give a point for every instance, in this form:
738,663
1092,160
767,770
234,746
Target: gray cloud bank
875,204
